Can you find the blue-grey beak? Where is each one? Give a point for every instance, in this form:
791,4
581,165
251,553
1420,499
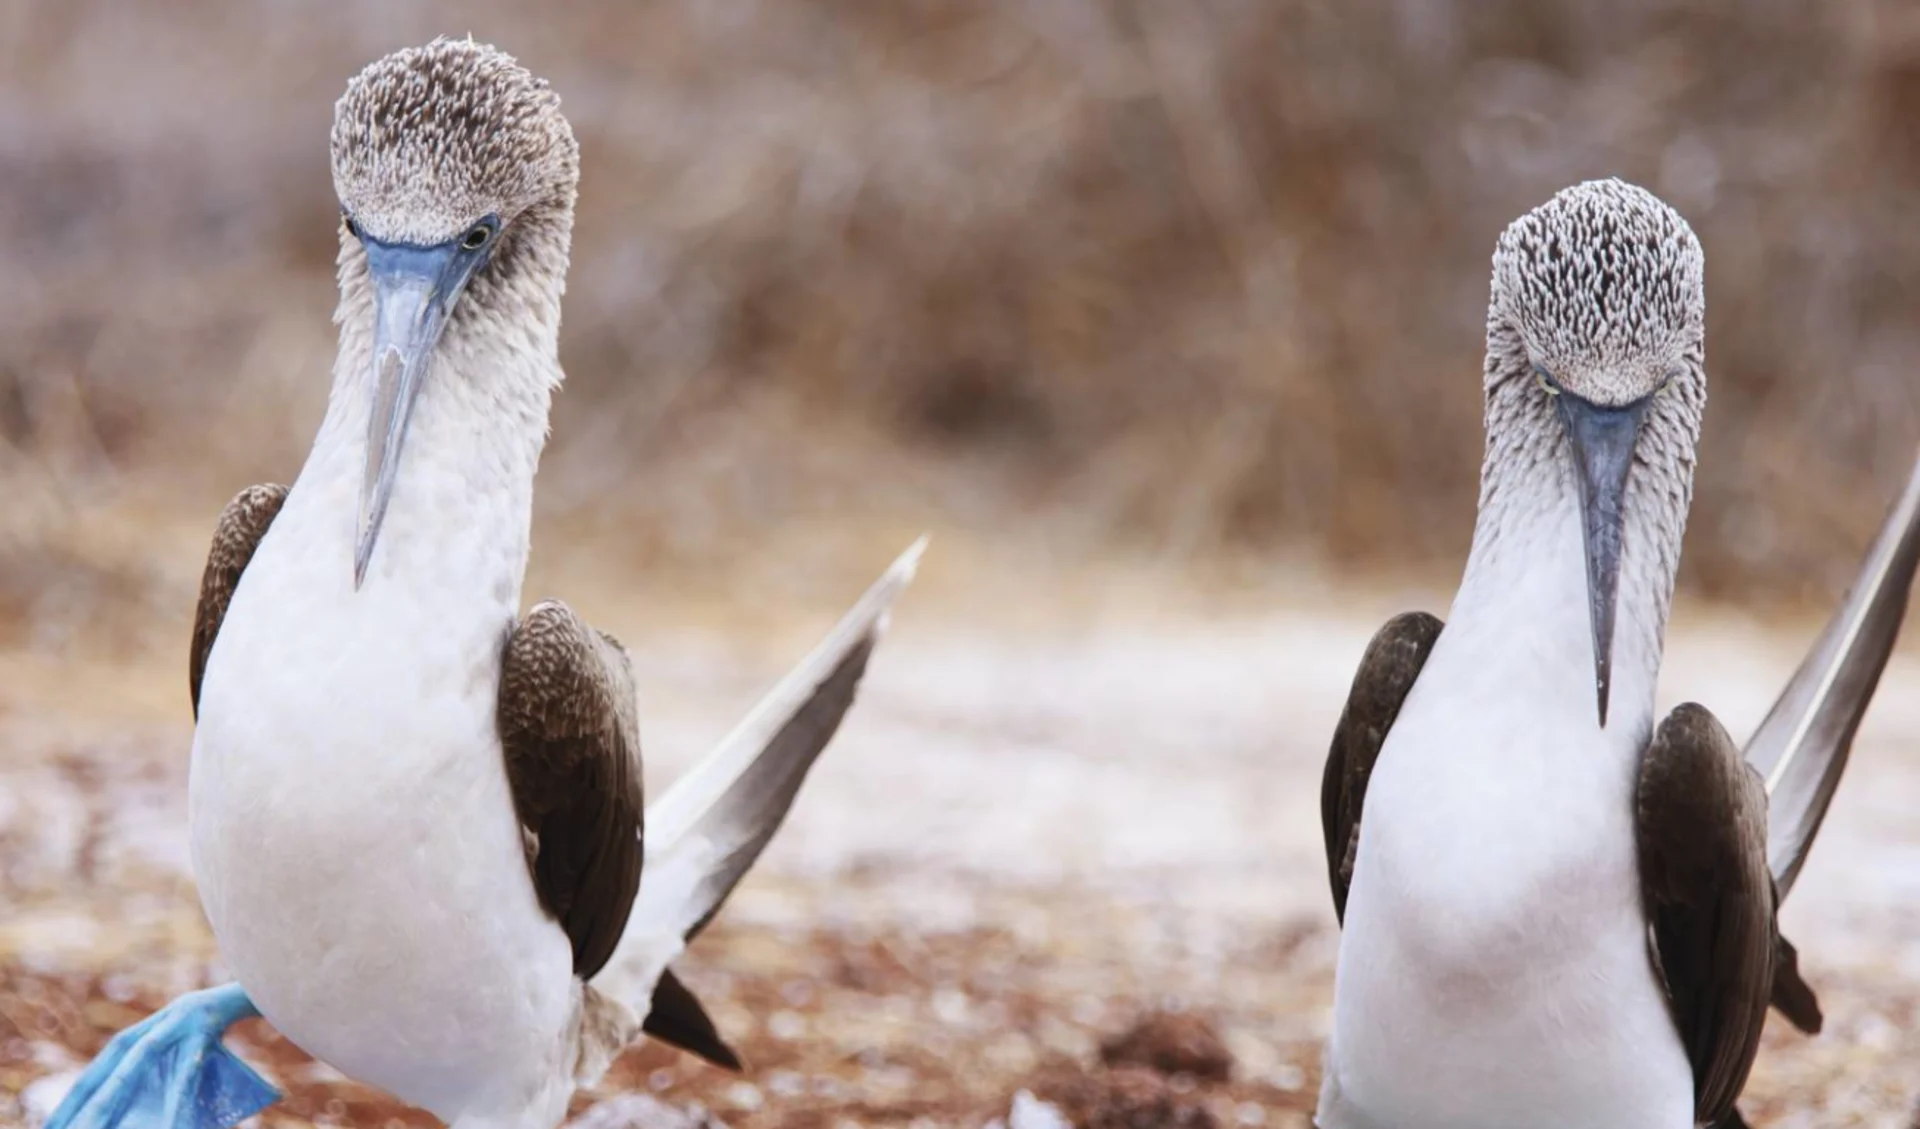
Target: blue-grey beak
414,291
1602,439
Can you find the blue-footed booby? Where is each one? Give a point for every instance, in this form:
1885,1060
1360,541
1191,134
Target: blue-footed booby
1556,913
416,814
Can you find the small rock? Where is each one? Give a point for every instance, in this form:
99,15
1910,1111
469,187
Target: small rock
42,1096
786,1025
745,1095
1029,1112
1171,1043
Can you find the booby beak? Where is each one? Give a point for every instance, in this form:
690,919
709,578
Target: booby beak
1602,439
414,291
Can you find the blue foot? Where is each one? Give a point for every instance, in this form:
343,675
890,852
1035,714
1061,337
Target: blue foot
170,1071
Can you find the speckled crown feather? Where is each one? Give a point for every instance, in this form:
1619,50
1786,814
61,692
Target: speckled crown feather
429,139
1605,285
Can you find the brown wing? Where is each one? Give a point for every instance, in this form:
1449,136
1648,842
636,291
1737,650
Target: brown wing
1701,831
242,524
571,742
1387,673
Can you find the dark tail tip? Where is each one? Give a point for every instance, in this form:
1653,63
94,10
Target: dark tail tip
676,1018
1791,994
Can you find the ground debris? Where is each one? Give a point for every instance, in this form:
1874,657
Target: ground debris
639,1111
1171,1043
905,964
1029,1112
1124,1097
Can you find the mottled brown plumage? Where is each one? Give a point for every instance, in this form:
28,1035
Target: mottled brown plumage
1600,293
572,748
428,139
242,524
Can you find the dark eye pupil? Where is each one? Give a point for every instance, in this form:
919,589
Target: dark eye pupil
477,238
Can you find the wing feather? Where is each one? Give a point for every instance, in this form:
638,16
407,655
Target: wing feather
1388,670
707,830
568,731
1701,836
713,822
242,525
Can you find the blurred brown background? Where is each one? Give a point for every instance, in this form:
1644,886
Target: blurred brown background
1188,281
1164,317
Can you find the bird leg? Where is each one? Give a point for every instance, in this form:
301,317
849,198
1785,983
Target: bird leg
170,1071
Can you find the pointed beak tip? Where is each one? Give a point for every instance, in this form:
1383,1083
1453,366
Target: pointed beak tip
415,288
1603,441
362,556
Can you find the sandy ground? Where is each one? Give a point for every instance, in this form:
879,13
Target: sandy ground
1022,841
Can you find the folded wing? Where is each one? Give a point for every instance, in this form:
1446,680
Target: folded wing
1387,673
572,747
242,525
1701,830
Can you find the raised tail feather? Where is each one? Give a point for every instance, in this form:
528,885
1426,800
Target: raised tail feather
705,832
1801,747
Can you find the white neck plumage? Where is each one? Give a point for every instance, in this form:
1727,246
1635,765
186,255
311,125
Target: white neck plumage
1523,597
462,504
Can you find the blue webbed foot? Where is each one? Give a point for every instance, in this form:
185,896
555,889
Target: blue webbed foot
170,1071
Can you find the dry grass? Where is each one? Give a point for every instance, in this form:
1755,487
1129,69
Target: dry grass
1189,279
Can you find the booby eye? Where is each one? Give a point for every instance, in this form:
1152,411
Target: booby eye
1545,382
477,236
353,229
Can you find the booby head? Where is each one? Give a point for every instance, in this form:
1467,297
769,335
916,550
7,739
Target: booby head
1597,330
456,174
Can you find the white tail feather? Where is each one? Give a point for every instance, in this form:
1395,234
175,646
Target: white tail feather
706,830
1801,746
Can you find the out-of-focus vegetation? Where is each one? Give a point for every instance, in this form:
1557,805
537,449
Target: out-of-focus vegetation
1186,278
